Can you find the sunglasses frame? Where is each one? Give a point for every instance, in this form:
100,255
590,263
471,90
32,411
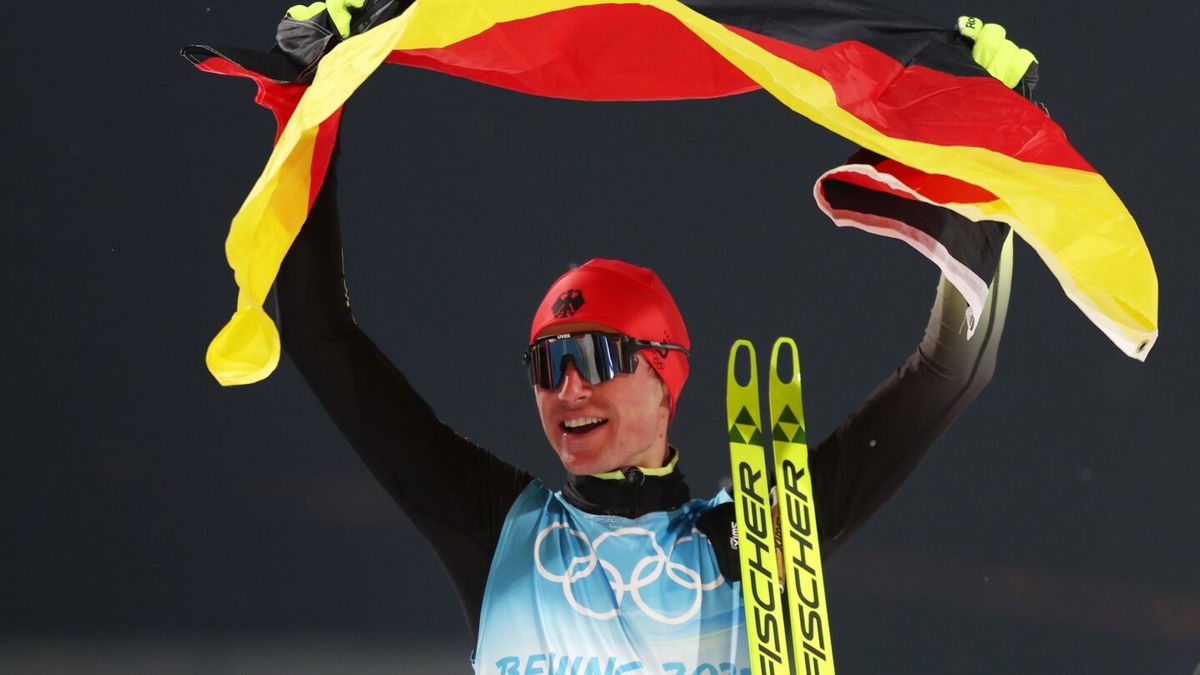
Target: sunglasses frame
625,363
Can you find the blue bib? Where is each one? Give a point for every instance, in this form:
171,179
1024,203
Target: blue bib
575,593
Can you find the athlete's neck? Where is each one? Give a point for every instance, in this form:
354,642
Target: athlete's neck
670,458
631,492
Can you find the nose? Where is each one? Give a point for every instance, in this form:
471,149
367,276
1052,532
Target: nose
575,387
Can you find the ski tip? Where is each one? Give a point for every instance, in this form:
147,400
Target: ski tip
751,381
776,353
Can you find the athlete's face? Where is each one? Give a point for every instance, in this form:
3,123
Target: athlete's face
616,424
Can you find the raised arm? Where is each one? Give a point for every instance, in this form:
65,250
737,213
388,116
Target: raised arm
866,459
456,493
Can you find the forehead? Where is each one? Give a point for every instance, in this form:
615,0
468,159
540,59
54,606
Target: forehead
576,327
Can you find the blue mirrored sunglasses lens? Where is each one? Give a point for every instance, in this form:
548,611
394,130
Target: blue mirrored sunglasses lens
597,357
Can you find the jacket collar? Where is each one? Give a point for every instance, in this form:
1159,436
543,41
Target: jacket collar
631,492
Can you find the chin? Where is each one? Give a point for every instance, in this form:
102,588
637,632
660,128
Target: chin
581,466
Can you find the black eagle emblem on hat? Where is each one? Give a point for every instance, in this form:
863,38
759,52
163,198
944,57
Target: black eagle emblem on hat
567,304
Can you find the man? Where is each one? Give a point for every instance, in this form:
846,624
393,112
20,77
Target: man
620,571
615,567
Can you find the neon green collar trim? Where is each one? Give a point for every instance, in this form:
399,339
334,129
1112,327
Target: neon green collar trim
659,471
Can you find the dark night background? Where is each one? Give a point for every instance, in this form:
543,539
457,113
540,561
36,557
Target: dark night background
155,522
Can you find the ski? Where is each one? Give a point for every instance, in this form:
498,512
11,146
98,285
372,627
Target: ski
761,594
795,578
804,578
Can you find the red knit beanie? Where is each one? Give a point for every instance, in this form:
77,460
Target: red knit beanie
629,299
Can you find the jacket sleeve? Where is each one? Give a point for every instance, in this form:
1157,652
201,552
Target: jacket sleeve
456,494
875,449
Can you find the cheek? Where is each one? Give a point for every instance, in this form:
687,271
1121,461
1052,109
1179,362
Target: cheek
644,429
644,422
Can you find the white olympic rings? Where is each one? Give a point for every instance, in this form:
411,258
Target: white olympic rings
660,561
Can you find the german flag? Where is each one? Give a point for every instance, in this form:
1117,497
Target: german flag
951,157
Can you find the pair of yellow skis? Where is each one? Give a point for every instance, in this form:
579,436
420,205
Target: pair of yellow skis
776,643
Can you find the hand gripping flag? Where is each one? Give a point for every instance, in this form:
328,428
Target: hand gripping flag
951,157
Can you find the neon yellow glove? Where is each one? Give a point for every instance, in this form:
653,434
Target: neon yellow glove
996,53
339,12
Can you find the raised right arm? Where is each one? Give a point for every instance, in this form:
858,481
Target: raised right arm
457,494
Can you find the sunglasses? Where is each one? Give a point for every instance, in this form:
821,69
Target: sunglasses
599,357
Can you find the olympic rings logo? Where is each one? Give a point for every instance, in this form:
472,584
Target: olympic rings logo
647,571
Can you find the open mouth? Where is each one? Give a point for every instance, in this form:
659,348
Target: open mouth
582,425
